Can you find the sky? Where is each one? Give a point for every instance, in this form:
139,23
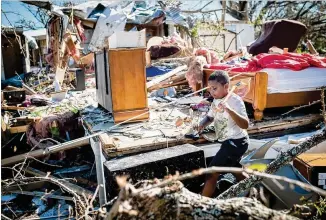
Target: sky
12,7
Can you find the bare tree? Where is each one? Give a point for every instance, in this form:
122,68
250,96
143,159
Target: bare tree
40,16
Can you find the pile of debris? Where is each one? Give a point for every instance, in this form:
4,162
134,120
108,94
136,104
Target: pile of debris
56,106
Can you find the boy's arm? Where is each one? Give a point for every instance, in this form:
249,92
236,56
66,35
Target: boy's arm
240,120
205,122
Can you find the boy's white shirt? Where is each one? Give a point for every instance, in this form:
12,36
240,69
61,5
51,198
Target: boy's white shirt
225,126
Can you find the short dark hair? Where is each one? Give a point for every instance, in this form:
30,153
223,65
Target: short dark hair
219,76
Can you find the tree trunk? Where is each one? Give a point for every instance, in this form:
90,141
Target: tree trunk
176,202
281,160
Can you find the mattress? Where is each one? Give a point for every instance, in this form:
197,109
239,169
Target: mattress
287,81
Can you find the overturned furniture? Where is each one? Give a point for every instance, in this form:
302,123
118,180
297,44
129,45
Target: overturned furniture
121,82
278,33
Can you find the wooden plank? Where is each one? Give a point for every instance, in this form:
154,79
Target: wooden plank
260,94
146,144
26,118
283,124
124,145
125,115
31,186
128,78
13,108
165,76
79,190
107,141
291,99
18,129
42,194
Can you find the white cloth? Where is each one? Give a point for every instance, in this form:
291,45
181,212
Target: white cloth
225,126
286,81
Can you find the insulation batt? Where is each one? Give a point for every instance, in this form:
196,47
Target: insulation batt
211,56
194,74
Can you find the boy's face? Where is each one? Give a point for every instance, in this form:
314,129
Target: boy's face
217,90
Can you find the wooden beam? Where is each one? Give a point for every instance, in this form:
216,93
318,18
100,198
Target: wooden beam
165,76
41,194
79,190
18,129
42,152
283,124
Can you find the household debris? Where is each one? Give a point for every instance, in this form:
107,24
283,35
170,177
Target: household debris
157,82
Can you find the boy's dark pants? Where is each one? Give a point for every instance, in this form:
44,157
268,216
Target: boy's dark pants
228,156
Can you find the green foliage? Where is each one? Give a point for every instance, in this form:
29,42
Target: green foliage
207,26
318,208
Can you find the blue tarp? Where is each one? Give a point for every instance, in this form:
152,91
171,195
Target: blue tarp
156,70
13,81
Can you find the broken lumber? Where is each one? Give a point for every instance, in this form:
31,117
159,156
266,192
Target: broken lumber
18,129
174,80
42,194
283,159
79,190
176,202
43,152
13,108
28,90
165,76
283,124
26,118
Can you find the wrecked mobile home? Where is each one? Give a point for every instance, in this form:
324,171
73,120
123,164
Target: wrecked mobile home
99,115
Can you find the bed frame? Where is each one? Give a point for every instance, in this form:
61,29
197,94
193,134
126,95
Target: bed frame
259,98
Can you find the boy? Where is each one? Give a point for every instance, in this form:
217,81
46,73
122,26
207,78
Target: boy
230,122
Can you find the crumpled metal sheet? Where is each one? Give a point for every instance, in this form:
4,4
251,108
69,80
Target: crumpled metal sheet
111,20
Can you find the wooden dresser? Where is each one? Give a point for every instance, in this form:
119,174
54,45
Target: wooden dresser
121,82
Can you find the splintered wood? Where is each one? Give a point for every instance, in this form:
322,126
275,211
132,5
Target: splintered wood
167,128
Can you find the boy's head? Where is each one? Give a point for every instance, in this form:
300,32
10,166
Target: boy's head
218,83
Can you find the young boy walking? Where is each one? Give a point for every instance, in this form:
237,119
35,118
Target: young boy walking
230,121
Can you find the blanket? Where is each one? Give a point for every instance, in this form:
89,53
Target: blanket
291,61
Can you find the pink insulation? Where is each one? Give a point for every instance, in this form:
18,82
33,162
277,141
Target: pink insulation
211,56
194,74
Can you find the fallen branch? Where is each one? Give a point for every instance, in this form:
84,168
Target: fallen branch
79,190
211,170
176,202
281,160
80,203
302,106
41,194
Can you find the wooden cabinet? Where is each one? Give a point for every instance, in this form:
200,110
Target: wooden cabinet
121,82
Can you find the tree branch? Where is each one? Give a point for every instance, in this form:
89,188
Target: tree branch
176,202
313,4
210,170
281,160
201,9
298,14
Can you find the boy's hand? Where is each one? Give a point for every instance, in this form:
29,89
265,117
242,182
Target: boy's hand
223,106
